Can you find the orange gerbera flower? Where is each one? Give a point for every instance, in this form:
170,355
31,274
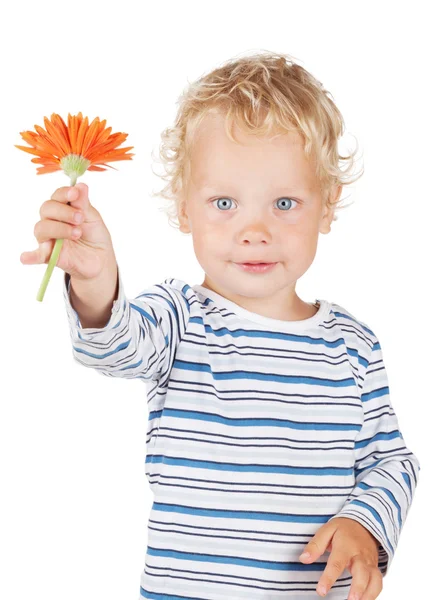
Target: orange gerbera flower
74,148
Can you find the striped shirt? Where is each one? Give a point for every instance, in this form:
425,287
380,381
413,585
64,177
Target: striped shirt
259,432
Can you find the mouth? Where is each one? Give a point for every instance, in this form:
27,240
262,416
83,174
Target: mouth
256,266
255,262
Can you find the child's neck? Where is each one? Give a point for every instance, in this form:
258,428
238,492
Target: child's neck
269,307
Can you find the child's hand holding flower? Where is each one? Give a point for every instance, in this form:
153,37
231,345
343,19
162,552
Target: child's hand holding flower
87,247
353,547
74,147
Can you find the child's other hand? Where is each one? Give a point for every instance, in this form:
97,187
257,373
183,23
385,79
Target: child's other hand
353,547
84,254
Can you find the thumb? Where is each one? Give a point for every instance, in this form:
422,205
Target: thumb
318,545
81,202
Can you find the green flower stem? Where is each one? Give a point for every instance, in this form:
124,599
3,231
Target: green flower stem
54,257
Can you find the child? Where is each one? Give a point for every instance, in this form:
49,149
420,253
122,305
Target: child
271,426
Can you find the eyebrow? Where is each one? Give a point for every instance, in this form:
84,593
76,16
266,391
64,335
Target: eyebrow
287,188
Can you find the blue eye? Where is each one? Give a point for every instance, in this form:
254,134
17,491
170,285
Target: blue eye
225,199
285,203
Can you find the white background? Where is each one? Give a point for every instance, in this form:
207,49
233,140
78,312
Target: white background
75,499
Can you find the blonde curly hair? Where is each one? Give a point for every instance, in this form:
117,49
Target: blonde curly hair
263,93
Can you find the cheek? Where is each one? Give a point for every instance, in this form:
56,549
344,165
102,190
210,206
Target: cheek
209,240
209,226
305,225
300,240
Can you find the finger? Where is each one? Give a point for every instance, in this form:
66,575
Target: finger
375,585
76,195
39,256
56,211
335,566
54,230
65,194
320,541
360,578
312,550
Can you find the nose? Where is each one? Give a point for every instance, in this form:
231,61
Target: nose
255,233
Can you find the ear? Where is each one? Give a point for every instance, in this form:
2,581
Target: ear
184,222
328,209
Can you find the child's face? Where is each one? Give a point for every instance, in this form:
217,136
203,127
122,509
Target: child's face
253,221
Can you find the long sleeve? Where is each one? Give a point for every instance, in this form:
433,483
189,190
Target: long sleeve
141,336
386,471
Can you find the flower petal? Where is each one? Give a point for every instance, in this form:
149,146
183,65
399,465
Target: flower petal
94,168
34,151
30,137
72,132
49,169
81,135
61,127
57,137
44,161
45,143
112,156
103,136
90,136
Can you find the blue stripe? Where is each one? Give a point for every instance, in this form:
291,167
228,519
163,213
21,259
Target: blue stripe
202,367
240,514
253,422
390,494
151,295
378,436
159,596
253,468
259,333
144,313
106,354
375,394
407,479
236,560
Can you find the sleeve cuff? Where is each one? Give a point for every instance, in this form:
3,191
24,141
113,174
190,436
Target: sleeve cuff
118,309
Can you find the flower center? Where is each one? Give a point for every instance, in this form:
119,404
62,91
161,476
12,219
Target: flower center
74,165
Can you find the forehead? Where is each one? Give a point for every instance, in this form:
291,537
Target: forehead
217,160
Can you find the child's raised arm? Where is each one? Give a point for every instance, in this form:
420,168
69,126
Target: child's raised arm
118,337
141,336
